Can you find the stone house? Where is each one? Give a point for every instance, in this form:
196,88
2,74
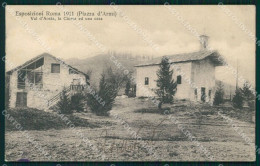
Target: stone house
38,82
194,73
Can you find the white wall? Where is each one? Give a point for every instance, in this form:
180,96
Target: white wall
203,75
183,89
194,74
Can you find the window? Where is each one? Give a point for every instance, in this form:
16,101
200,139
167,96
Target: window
21,79
38,78
30,74
179,79
146,81
210,94
34,78
55,68
196,94
203,94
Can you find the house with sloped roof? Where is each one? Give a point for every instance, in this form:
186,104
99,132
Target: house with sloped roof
194,73
38,83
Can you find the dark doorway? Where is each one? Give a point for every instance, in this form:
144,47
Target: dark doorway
21,99
203,94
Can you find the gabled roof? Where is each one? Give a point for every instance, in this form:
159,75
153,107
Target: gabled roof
39,57
188,57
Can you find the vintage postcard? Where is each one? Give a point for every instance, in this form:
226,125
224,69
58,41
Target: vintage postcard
130,83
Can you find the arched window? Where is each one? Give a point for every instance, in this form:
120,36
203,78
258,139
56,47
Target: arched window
178,79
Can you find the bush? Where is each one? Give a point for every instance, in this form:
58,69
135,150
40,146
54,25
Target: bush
64,105
127,88
248,95
238,99
96,103
34,119
219,95
101,101
132,94
77,102
247,92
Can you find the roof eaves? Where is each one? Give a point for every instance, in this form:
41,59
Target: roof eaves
40,56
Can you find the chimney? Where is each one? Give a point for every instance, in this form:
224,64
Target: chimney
203,42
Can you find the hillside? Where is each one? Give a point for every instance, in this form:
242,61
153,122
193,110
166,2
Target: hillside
99,63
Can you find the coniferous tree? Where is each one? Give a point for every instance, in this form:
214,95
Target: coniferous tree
238,100
247,93
219,95
64,105
95,98
127,88
101,101
165,83
77,102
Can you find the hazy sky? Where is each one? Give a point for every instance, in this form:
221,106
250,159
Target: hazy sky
163,28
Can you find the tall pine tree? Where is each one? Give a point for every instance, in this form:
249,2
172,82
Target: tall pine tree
165,83
247,93
219,94
238,99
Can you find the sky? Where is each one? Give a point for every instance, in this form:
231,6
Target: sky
158,24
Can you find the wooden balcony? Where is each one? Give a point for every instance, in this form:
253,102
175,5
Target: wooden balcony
76,88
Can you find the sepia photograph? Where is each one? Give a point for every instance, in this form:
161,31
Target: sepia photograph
130,83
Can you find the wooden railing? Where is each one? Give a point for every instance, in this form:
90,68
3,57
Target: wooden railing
22,85
72,89
55,98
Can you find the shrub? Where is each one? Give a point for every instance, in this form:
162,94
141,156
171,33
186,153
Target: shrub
77,102
101,101
238,100
64,105
127,88
34,119
219,95
248,95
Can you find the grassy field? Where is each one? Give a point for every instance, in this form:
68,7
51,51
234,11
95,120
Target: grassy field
159,137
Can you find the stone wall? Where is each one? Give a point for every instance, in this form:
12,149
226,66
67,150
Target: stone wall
53,84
